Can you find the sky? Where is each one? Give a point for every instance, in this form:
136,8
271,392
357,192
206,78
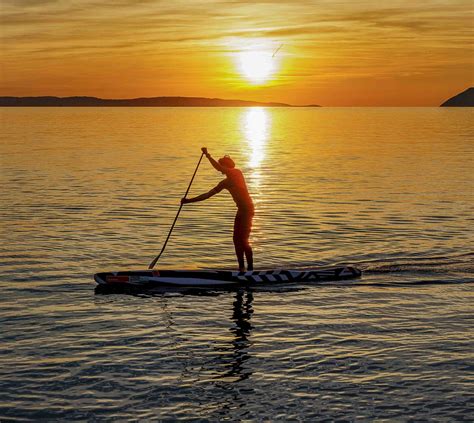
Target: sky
327,52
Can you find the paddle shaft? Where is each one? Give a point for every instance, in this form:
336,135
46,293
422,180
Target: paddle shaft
152,264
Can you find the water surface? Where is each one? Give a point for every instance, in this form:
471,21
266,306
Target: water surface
389,190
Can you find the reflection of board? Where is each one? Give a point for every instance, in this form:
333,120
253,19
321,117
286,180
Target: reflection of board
210,278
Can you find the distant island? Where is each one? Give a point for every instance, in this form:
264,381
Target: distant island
49,101
464,99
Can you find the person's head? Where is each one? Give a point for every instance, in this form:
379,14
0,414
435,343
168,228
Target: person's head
226,161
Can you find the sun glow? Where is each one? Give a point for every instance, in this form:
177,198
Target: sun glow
257,66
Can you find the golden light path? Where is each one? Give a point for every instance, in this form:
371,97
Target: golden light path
256,121
255,125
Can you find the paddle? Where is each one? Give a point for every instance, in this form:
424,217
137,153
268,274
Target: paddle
152,264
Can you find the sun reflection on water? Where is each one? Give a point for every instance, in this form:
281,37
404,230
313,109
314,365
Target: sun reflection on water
255,126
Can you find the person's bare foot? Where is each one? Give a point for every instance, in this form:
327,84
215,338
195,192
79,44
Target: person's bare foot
241,269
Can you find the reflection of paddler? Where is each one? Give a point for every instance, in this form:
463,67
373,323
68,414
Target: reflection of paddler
235,184
242,313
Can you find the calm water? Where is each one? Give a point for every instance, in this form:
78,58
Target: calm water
389,190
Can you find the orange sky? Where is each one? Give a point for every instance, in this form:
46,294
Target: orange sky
335,53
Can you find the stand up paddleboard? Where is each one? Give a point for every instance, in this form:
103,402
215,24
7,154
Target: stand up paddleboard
223,278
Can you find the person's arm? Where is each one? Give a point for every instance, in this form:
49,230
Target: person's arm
213,162
218,188
201,197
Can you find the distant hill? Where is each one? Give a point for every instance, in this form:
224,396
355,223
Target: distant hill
134,102
464,99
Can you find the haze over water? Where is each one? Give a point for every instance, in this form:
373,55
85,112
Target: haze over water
387,189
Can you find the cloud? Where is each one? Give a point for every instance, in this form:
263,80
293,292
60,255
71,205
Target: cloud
183,21
342,37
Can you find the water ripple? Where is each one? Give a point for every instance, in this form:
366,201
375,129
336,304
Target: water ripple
99,190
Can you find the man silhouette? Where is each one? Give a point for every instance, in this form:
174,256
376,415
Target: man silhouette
235,184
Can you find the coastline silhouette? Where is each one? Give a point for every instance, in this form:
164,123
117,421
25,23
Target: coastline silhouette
463,99
84,101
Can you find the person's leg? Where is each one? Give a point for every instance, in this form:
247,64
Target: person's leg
239,252
249,256
246,235
238,244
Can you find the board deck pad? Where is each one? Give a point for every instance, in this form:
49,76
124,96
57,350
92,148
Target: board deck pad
212,278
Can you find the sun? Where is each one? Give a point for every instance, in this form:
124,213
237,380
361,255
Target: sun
257,66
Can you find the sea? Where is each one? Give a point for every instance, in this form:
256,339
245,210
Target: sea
388,190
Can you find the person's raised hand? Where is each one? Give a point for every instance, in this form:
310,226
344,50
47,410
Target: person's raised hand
204,150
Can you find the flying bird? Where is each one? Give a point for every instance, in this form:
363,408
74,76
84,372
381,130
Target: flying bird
277,50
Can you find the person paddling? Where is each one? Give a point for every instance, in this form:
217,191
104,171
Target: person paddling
235,184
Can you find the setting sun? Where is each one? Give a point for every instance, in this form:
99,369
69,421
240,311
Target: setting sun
256,66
